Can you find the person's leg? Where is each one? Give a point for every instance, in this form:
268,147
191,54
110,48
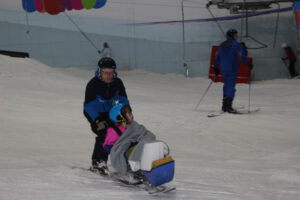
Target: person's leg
230,92
292,70
225,77
99,154
231,82
225,88
99,157
225,81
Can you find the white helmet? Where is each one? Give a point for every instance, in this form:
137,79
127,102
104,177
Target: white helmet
284,45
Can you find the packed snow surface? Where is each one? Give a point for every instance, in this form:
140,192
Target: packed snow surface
43,134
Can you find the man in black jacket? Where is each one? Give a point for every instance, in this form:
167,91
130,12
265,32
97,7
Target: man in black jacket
102,92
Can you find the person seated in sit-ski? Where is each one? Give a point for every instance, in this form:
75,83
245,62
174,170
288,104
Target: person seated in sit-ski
121,115
126,141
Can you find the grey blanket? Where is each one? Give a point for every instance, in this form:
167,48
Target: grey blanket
135,133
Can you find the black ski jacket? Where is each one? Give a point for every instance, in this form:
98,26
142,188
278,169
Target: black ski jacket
100,96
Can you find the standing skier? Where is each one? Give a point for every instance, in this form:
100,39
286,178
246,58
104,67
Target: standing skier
106,51
228,55
102,92
292,59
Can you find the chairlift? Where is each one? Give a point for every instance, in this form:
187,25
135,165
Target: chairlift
246,8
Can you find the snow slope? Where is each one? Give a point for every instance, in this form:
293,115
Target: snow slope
43,133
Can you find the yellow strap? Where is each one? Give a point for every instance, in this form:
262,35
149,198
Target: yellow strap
123,119
162,161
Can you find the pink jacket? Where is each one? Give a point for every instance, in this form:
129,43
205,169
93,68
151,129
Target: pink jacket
112,137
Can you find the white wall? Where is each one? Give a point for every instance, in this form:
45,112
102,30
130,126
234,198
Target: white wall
136,40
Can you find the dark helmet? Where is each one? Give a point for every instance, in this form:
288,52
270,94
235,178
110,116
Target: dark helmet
231,33
107,62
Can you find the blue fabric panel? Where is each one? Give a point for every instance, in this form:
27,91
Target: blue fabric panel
100,105
123,100
100,3
297,5
161,174
92,109
28,5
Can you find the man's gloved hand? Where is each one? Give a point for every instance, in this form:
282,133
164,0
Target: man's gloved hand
217,71
250,66
99,124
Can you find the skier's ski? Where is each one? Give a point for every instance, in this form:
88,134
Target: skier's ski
246,111
218,113
149,188
296,77
215,114
238,112
159,189
96,171
141,185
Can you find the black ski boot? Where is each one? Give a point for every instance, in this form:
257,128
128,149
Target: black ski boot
99,166
224,104
229,108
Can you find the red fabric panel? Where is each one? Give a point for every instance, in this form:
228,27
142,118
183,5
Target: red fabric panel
297,14
54,7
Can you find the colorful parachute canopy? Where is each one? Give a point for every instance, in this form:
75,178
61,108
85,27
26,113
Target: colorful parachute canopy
54,7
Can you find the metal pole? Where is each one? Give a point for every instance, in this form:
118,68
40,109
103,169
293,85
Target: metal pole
134,34
249,94
219,26
287,68
298,40
183,42
276,29
247,33
27,19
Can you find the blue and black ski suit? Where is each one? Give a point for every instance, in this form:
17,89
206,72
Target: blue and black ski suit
228,55
99,99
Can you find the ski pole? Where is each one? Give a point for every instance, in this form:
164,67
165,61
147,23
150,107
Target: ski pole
249,95
205,92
